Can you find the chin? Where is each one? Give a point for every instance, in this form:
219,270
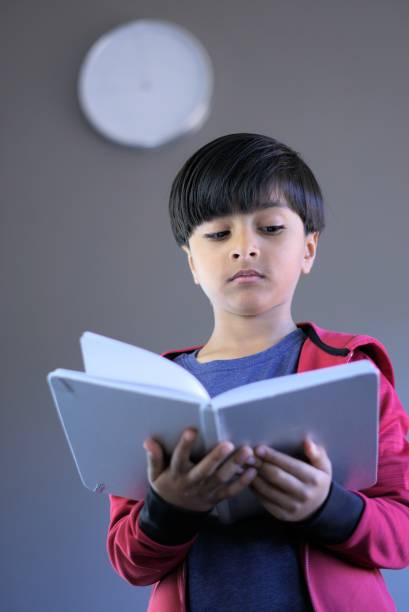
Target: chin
251,307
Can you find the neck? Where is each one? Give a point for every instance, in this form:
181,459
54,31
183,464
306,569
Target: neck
241,336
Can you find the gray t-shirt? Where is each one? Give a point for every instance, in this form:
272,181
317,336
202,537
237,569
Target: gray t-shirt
252,564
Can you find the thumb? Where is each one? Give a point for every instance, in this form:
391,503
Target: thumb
155,459
318,456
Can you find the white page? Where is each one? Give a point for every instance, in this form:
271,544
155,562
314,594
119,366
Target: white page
106,421
124,385
290,382
337,406
114,359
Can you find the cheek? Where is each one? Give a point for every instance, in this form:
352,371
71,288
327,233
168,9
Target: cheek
289,256
286,266
210,275
209,267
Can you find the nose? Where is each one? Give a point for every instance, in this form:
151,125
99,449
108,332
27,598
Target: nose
245,245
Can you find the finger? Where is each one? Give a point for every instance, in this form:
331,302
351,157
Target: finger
180,460
300,469
155,459
237,464
232,489
318,456
275,510
211,462
282,480
273,495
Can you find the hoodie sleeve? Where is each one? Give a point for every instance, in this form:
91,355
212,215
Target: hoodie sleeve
381,536
149,538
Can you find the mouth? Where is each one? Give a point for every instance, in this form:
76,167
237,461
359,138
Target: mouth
247,278
247,274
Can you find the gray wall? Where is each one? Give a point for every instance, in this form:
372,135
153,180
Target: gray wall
86,244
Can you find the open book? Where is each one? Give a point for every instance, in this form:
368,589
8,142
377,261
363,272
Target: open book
128,394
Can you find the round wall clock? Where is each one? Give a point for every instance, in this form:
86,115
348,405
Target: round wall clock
146,83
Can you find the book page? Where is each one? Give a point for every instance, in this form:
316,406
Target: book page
337,406
109,358
289,383
106,421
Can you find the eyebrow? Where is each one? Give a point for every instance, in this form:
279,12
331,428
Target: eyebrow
272,204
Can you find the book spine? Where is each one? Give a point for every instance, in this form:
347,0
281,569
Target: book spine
209,423
213,433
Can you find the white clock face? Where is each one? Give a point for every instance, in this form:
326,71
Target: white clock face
146,83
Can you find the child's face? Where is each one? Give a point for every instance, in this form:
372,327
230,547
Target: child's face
281,255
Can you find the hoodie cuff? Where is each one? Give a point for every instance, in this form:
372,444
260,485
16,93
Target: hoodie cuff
336,519
168,524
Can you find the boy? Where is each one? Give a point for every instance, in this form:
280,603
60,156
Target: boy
248,212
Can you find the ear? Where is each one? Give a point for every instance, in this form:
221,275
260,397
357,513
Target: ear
310,251
186,249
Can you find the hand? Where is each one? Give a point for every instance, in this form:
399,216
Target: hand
201,486
291,489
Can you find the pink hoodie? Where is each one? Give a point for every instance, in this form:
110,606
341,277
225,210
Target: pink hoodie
340,577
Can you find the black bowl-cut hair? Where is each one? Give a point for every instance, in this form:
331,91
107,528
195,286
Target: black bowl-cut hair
234,174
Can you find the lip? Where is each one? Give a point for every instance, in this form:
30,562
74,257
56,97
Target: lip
247,275
253,278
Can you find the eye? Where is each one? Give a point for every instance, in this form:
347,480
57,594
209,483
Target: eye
216,235
271,229
274,228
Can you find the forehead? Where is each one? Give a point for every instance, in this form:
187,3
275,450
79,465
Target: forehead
270,205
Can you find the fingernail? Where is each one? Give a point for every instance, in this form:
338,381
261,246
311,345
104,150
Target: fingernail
261,451
251,460
228,447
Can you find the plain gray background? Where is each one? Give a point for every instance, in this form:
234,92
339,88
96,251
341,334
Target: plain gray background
86,243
